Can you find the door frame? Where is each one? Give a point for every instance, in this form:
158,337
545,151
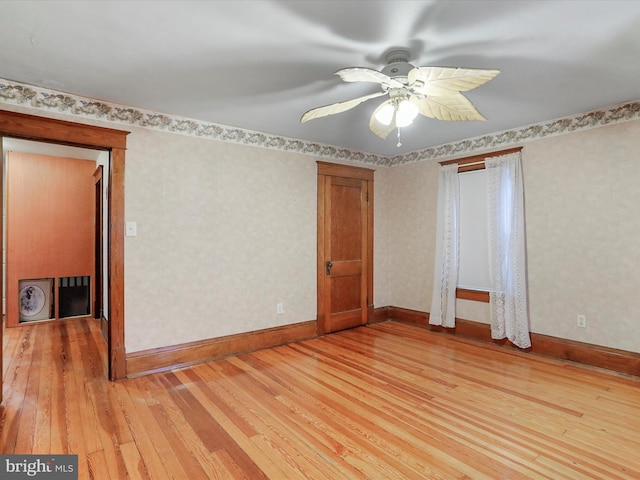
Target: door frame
326,169
98,244
42,129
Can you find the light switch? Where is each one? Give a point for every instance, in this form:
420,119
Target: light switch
131,229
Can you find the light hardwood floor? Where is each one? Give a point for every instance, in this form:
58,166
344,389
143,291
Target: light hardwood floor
388,401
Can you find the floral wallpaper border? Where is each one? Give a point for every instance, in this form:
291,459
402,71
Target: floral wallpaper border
51,100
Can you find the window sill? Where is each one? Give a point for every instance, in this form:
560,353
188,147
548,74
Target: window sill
475,295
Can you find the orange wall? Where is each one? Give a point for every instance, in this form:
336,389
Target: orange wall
50,221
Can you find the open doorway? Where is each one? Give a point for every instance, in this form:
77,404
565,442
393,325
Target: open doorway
41,129
36,241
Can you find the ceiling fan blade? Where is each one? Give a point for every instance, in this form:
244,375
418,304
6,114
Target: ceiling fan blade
380,129
455,107
337,107
446,81
363,74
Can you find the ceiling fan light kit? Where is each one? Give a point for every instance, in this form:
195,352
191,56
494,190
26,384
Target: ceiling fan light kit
401,112
433,92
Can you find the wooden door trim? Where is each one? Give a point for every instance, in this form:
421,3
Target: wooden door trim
98,243
326,170
320,253
30,127
337,170
42,129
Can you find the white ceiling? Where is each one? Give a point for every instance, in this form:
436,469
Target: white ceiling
259,65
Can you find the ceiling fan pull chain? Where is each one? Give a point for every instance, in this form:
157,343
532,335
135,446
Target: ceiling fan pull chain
398,145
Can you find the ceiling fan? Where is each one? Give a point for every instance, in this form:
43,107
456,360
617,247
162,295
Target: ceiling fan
430,91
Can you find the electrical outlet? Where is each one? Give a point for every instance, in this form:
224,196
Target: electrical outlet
279,308
582,321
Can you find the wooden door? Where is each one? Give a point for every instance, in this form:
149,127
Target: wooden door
2,276
345,247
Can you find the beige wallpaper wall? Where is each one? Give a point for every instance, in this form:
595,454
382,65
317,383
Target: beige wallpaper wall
225,232
404,241
582,192
582,197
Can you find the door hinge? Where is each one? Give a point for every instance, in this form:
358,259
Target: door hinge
367,196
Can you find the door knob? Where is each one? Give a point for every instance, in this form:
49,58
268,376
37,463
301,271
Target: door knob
329,265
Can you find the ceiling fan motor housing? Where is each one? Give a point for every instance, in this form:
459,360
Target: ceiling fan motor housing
398,66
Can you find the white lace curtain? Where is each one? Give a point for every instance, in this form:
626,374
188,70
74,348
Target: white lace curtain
445,279
507,261
507,258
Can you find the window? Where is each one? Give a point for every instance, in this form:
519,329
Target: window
473,262
473,267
